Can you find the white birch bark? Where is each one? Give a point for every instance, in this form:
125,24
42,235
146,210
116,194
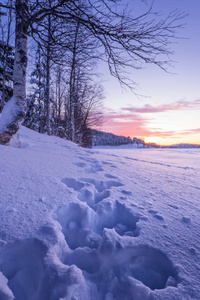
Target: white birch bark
14,112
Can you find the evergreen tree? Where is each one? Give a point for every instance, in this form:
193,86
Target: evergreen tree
36,106
6,58
6,73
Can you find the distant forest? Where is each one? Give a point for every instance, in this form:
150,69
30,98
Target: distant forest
100,138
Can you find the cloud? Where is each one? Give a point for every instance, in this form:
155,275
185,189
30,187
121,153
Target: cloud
125,124
179,105
137,122
136,125
191,131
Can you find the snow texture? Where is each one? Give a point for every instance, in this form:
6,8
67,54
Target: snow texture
8,114
114,224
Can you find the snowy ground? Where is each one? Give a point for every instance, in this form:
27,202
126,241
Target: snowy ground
98,224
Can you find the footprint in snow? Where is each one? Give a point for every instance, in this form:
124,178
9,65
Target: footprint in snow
98,266
22,264
92,165
73,183
92,197
91,191
124,272
32,271
100,185
83,227
95,191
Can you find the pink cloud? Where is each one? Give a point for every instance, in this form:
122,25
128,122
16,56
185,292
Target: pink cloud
132,125
179,105
125,124
135,125
192,131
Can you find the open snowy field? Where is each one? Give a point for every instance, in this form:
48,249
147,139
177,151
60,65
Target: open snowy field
98,224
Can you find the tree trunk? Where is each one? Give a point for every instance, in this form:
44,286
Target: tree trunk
72,85
15,110
48,77
40,88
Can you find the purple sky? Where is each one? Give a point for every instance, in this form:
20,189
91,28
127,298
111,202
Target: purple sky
169,112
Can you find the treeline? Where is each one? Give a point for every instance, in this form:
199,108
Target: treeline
100,138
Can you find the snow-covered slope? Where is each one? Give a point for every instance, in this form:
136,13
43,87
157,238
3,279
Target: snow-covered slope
98,224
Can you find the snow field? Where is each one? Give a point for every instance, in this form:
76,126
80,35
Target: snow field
90,234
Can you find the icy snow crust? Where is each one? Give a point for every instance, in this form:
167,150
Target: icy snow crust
98,224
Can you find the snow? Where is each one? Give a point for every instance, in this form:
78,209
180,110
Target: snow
111,224
8,114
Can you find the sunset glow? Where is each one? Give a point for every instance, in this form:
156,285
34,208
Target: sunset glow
170,109
174,123
153,139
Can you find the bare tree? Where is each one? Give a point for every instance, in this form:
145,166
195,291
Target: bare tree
126,41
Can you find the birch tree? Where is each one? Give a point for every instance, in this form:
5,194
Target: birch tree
14,112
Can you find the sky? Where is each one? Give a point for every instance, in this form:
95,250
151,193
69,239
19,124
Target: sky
168,111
